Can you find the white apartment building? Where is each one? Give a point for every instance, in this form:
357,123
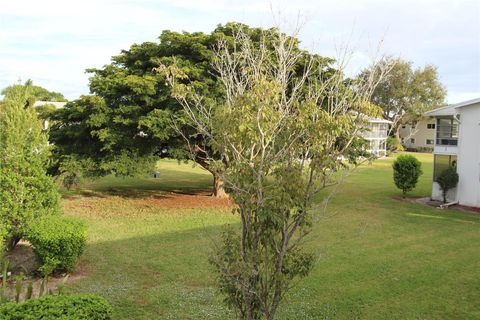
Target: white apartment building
457,143
419,136
376,135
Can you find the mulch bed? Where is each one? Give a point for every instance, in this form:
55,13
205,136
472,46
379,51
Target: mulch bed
436,204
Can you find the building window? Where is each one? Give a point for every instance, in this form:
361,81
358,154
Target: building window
383,145
412,140
429,141
447,132
403,126
430,125
441,163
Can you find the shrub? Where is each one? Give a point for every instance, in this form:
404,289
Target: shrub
26,191
425,149
447,179
70,172
58,242
73,307
393,144
406,171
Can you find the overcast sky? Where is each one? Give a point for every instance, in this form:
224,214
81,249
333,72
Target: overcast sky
53,42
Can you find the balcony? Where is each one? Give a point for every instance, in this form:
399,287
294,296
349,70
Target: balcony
447,142
446,136
447,132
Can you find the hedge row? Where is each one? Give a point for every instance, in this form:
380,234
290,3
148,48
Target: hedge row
72,307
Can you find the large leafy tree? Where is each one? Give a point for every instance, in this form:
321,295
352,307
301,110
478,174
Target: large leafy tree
131,119
26,191
406,93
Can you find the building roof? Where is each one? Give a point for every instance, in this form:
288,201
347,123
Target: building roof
467,103
377,120
54,103
450,109
443,111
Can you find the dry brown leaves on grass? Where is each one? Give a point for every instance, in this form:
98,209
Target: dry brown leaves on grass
178,200
108,205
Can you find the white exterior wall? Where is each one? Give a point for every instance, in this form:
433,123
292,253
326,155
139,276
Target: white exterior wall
421,133
468,167
437,193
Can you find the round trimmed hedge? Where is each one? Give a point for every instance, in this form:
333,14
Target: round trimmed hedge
58,242
72,307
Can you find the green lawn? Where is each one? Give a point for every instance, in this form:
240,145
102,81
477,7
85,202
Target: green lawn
378,257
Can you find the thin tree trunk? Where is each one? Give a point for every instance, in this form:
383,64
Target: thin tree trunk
397,133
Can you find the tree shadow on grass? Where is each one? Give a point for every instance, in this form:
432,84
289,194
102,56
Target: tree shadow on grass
164,275
142,187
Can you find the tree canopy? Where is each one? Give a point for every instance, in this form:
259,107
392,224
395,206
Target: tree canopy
36,93
128,121
406,93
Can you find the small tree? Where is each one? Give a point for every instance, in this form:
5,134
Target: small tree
283,132
26,191
406,171
447,179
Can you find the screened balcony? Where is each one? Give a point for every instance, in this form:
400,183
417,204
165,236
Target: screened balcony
447,132
376,131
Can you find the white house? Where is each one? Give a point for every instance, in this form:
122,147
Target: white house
419,136
457,144
376,135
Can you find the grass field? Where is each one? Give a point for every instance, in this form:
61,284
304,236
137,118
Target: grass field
378,257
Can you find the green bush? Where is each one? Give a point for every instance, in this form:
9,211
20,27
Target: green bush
58,242
406,171
26,191
73,307
393,144
447,179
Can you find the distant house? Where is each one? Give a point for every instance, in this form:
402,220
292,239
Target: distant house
376,135
57,105
419,136
457,144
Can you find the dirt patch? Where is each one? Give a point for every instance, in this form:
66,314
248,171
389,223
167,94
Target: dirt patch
22,262
22,259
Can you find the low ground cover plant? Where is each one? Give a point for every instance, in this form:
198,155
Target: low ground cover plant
72,307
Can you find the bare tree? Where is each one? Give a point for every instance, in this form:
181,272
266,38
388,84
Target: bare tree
284,134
